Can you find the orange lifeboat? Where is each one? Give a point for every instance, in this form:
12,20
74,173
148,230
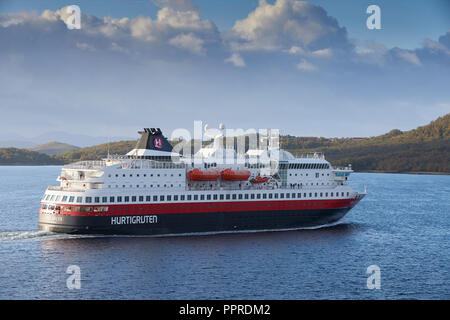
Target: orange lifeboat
235,175
203,175
259,179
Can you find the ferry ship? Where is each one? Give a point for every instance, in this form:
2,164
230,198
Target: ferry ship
153,190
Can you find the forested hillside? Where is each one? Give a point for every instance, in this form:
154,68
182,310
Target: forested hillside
15,156
425,149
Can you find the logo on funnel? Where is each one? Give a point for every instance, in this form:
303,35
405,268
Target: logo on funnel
157,142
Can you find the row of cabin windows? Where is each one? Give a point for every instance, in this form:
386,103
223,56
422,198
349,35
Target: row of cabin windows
195,197
145,186
145,175
317,174
304,166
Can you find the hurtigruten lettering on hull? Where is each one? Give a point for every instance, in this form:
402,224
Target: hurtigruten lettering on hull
134,219
155,190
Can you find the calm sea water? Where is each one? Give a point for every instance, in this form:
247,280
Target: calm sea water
402,226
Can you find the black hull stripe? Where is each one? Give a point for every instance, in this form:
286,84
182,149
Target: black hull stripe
158,224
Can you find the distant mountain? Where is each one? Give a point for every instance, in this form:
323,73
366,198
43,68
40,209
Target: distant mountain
81,140
16,144
53,147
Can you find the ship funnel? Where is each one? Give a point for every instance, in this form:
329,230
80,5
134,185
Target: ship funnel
153,139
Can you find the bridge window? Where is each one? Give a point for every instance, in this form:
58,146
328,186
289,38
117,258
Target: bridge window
127,199
161,198
119,199
97,199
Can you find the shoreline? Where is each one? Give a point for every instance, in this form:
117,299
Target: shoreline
405,172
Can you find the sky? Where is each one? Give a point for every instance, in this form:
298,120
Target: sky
307,68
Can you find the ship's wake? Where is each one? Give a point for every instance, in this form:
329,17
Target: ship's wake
35,235
38,235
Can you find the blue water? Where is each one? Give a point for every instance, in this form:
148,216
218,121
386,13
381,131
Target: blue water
402,226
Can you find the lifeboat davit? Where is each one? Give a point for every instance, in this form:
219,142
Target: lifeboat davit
259,179
203,175
235,175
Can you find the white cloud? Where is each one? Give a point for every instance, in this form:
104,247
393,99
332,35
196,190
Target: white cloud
117,48
296,50
188,42
408,56
85,46
180,5
285,25
372,54
236,60
183,30
323,53
186,20
306,66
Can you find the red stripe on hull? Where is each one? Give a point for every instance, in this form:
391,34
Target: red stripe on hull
203,207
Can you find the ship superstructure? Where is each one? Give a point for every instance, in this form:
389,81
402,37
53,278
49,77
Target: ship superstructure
154,190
